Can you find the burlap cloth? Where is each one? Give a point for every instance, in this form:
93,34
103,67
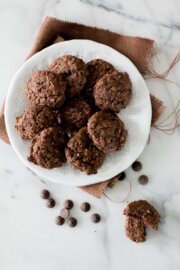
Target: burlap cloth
137,49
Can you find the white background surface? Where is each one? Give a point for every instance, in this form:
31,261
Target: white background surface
29,239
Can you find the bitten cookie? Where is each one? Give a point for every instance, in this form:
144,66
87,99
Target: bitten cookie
44,88
107,131
140,214
74,71
113,91
144,210
75,113
47,148
82,154
33,120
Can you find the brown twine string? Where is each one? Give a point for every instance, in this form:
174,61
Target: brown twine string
164,79
171,114
170,128
154,74
123,200
172,123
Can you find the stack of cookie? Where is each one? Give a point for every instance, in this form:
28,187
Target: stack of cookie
71,113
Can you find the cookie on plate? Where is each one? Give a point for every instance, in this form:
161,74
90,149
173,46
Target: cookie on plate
107,131
75,113
47,148
82,154
33,120
96,69
74,71
45,88
113,91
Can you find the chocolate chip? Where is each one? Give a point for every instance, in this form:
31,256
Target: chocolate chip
68,204
143,179
59,220
85,207
72,222
137,166
45,194
122,176
95,218
64,213
50,203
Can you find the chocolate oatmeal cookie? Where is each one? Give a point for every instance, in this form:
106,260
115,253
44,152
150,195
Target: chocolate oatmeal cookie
75,113
33,120
74,70
107,131
113,91
45,88
82,154
135,229
139,215
47,148
144,210
96,69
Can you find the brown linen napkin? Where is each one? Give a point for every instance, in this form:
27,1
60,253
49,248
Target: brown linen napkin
138,50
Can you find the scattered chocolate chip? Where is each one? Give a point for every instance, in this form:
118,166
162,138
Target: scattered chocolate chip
50,203
85,207
143,179
68,204
95,218
45,194
59,220
64,213
122,176
137,166
72,222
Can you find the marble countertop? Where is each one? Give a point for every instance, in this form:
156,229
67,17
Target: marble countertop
29,238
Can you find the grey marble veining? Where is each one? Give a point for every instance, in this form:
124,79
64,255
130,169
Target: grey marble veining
119,10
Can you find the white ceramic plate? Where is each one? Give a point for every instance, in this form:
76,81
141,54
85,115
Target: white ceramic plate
136,117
